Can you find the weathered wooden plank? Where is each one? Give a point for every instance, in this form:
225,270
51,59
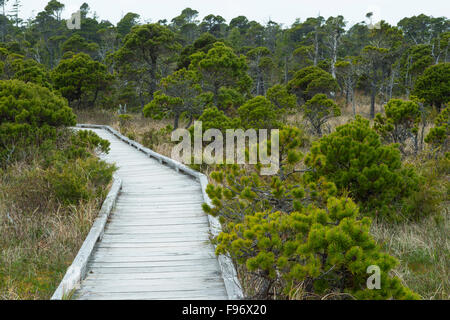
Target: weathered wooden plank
154,275
152,216
157,230
156,243
154,257
161,245
154,251
163,287
154,264
180,295
153,285
143,269
148,238
139,222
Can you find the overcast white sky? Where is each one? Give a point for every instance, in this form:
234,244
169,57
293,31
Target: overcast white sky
281,11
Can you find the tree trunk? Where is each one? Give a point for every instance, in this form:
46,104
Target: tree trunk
95,97
286,71
176,121
141,100
347,96
372,102
316,47
334,56
191,119
261,89
391,84
352,95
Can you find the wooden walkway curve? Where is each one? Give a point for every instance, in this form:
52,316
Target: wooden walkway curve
155,244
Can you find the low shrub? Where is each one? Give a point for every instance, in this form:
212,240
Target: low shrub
79,180
154,137
354,158
259,113
295,238
29,114
313,253
400,124
439,136
319,110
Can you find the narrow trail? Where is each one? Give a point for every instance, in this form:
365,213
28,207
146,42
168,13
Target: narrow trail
156,241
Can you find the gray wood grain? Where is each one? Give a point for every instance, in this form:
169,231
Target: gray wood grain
156,242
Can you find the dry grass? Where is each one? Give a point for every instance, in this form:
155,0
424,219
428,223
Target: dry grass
137,128
39,235
423,249
37,245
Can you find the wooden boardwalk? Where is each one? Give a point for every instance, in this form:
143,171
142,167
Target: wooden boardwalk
156,242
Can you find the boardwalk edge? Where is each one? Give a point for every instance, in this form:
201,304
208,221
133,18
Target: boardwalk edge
229,274
76,272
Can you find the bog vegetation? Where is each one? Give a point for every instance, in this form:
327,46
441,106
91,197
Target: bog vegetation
363,114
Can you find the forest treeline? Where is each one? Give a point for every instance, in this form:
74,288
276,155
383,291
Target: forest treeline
346,197
125,63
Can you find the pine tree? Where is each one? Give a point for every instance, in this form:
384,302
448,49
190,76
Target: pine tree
354,158
319,110
287,234
439,136
15,13
400,124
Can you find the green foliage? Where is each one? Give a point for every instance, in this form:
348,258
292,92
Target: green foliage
154,137
213,118
241,187
15,66
62,170
319,110
434,85
259,113
144,49
140,60
221,67
229,100
31,71
261,67
8,61
124,120
375,64
281,98
296,239
439,136
203,44
180,93
356,161
414,62
78,180
305,55
73,172
77,44
29,113
323,251
400,124
433,192
310,81
84,143
125,25
80,80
